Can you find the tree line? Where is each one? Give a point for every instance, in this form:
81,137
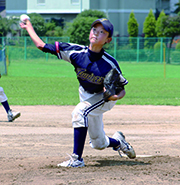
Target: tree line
78,30
164,26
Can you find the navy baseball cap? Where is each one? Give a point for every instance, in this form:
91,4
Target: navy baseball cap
106,24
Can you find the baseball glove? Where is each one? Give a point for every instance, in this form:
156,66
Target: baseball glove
113,84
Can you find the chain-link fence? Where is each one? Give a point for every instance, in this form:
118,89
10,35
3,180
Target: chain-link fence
142,49
3,66
124,49
23,47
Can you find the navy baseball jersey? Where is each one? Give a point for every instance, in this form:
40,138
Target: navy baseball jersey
90,67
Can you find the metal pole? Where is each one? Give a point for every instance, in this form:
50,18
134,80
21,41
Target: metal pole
137,49
164,62
4,55
47,53
25,49
161,51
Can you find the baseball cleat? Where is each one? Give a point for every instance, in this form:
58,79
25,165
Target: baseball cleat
125,147
12,115
72,162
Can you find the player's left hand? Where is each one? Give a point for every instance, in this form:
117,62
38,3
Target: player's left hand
116,96
113,98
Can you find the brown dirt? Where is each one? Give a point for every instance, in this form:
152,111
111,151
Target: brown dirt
35,143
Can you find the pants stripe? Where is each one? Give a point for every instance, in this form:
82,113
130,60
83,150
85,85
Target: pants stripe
91,108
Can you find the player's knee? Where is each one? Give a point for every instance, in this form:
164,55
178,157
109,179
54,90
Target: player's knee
78,118
1,90
3,97
98,144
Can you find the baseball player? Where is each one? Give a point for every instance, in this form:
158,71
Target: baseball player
91,64
11,115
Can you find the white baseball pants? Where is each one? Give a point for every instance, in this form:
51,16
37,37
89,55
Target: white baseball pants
3,97
89,113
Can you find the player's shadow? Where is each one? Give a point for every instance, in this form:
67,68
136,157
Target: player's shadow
102,163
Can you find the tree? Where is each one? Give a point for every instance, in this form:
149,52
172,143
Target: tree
150,25
177,10
79,30
14,25
149,29
4,26
92,13
38,23
50,26
58,32
132,30
171,28
54,28
132,25
159,30
58,22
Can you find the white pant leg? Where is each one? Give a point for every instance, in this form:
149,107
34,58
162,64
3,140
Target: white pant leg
98,139
3,96
94,120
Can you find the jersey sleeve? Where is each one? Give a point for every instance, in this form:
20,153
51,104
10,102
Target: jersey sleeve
62,50
59,49
50,48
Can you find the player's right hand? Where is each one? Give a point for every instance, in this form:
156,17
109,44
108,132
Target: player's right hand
22,25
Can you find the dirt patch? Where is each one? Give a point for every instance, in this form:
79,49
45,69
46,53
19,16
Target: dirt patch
35,143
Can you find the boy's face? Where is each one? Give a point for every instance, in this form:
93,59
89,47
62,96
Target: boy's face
98,35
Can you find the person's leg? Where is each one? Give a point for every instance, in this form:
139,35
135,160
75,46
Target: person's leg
98,139
79,140
80,132
95,128
113,143
5,104
4,101
89,114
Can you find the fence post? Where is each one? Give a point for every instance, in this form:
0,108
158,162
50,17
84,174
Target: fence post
25,49
161,51
47,53
137,49
4,54
68,39
164,61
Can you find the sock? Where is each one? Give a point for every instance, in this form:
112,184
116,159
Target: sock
113,142
79,140
6,105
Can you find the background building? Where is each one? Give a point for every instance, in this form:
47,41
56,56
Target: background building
117,10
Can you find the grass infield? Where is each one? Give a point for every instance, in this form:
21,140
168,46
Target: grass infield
53,82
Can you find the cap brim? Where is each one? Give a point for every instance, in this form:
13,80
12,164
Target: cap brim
98,21
95,22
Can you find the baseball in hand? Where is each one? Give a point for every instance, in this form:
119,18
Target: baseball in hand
24,17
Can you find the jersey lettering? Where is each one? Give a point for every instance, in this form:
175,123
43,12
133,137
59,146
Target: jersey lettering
81,73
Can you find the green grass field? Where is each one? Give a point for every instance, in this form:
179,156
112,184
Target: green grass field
53,82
